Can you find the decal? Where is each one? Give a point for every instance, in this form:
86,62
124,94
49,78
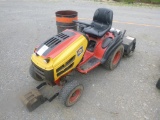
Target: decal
80,51
42,50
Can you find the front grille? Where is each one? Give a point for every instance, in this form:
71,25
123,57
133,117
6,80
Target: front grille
39,71
63,68
56,40
44,74
67,68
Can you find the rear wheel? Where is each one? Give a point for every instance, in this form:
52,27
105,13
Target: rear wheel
114,59
71,93
33,74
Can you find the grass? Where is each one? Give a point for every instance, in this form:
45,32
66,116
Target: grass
142,1
138,3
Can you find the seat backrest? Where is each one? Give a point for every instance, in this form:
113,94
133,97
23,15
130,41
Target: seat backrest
102,22
103,16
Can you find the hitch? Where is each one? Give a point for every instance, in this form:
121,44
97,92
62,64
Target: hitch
34,98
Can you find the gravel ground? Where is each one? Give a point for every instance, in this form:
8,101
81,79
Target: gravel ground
127,93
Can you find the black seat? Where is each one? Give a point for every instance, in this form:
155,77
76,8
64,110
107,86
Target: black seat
102,22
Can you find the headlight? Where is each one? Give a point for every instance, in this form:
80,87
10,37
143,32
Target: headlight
46,60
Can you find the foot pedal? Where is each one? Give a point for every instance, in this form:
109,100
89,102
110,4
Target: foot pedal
33,99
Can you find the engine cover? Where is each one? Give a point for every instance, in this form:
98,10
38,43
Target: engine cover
61,53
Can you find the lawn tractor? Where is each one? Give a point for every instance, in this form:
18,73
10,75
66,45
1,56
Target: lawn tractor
83,50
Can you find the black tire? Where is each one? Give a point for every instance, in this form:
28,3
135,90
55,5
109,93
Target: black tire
71,93
158,84
33,74
112,62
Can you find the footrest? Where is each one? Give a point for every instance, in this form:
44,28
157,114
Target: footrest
89,65
33,99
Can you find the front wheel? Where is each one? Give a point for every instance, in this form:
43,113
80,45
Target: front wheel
114,59
71,93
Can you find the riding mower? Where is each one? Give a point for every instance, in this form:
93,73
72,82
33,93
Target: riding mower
93,45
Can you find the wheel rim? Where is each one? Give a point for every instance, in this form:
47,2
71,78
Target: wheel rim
75,95
116,58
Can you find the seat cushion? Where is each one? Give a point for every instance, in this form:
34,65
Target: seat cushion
97,29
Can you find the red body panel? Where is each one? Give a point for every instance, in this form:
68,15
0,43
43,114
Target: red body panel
97,53
87,56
